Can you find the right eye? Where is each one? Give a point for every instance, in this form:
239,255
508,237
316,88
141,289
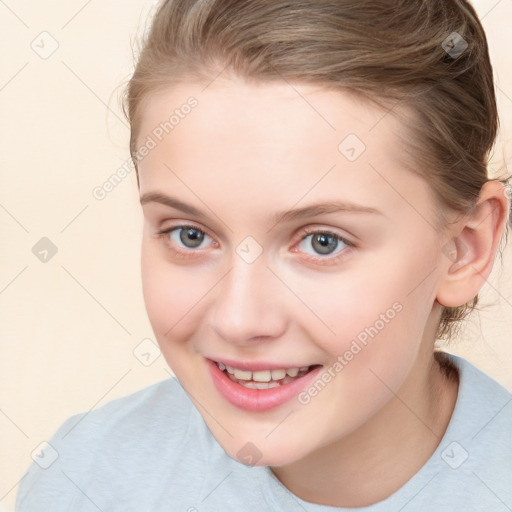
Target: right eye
185,237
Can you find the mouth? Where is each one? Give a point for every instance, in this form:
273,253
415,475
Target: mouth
259,389
265,379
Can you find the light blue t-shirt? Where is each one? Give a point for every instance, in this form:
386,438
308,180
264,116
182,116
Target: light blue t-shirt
152,451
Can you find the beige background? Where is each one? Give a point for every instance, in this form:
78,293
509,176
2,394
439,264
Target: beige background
69,326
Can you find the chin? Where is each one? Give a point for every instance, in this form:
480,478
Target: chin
261,453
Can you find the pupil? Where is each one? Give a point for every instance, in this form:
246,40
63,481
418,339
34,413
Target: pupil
324,244
191,237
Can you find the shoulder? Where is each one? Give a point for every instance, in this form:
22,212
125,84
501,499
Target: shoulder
480,394
484,407
477,446
146,410
95,449
482,402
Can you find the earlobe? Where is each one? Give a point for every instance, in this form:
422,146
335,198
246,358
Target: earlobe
470,253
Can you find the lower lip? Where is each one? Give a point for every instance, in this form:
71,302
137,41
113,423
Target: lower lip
257,400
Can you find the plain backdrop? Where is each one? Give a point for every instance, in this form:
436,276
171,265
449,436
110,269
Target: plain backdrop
72,316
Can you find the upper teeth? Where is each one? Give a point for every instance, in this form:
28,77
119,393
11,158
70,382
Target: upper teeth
262,375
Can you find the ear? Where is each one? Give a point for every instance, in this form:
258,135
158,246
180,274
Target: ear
472,250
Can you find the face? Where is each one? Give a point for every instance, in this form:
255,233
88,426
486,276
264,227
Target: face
231,275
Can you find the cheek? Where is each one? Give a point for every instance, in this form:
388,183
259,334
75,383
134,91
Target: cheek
378,329
373,318
172,295
343,307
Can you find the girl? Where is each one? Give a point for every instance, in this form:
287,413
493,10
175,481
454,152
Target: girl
313,179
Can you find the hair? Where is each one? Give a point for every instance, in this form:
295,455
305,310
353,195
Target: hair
389,52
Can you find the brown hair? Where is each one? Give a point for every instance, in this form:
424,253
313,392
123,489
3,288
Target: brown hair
408,52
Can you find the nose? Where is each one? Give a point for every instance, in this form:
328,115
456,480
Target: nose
249,304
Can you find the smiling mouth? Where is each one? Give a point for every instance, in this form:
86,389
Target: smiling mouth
265,379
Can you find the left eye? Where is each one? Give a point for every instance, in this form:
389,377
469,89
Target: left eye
188,236
324,243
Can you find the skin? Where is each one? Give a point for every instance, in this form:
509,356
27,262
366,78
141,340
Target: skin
245,153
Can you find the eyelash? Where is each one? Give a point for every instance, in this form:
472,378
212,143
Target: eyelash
303,235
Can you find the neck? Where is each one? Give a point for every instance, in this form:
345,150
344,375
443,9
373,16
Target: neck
377,459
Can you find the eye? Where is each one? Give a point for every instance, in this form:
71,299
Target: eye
188,237
324,243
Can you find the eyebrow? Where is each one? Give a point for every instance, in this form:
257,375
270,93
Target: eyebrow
172,202
286,216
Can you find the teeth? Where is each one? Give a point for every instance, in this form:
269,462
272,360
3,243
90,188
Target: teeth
259,385
262,376
278,374
264,379
243,374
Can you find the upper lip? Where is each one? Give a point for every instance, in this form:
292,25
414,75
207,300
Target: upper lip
256,365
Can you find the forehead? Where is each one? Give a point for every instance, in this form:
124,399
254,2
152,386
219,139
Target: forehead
286,140
267,113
